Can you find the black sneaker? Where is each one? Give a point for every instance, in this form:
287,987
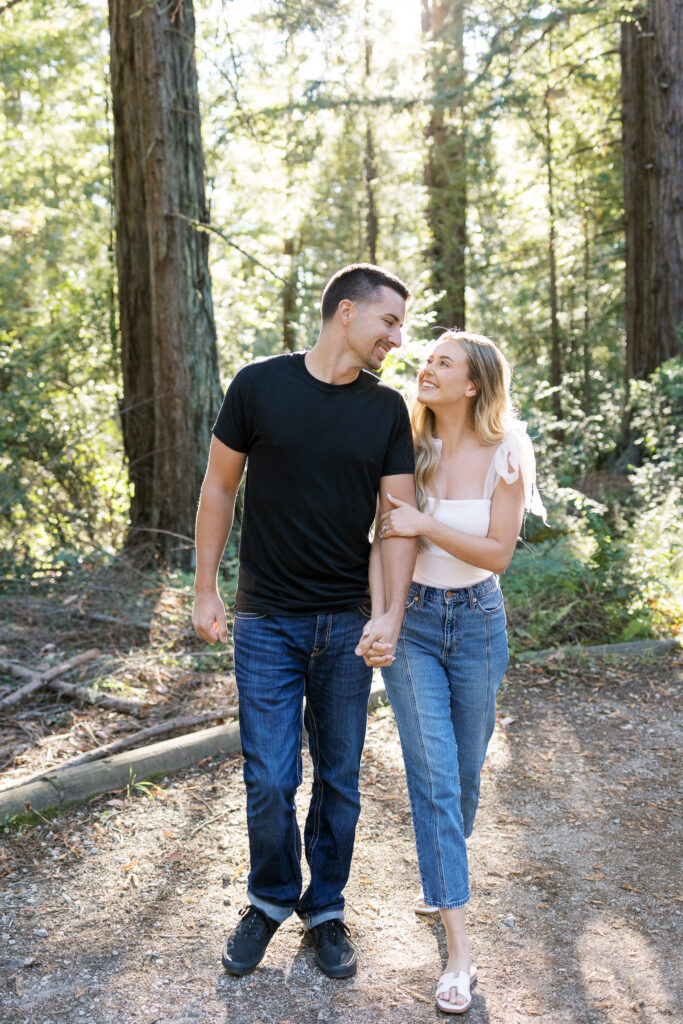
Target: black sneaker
246,944
334,954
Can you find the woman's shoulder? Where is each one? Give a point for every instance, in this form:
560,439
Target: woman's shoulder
514,458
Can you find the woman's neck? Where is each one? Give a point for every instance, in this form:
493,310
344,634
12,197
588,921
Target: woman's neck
454,430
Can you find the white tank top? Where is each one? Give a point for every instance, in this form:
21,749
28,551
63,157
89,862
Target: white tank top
437,568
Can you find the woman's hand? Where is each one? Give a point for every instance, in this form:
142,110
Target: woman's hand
402,521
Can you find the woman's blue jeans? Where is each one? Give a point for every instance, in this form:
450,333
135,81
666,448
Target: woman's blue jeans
450,660
279,660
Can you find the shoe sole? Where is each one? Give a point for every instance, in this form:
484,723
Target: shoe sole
343,971
237,968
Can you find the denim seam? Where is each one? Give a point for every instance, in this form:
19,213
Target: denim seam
315,757
435,831
326,642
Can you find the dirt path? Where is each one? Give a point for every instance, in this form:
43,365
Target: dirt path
116,912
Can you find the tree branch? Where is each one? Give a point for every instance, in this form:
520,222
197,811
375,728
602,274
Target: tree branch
6,7
199,225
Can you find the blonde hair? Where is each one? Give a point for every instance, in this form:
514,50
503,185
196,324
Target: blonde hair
491,408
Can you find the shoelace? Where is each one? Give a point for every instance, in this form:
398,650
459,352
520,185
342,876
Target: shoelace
253,919
335,930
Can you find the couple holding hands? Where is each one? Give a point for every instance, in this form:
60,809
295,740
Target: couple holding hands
331,449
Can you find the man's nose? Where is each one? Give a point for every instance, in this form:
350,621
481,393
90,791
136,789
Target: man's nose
395,337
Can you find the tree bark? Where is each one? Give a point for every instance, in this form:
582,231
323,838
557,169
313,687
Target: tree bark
369,163
289,298
171,388
446,169
652,119
555,347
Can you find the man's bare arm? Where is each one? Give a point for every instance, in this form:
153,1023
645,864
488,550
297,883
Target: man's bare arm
398,562
214,522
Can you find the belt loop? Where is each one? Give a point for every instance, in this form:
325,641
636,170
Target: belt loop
421,596
472,599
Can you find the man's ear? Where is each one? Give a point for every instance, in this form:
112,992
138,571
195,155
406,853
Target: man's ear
346,311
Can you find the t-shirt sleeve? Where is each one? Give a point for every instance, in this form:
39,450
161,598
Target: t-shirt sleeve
233,426
399,456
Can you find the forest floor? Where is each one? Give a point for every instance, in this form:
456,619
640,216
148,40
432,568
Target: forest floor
116,911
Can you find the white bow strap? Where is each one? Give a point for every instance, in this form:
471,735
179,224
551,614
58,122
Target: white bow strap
514,455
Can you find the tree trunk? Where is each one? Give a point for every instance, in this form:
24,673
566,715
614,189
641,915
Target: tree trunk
289,298
555,349
652,117
369,167
171,388
446,169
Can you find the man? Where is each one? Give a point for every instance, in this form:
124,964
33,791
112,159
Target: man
324,440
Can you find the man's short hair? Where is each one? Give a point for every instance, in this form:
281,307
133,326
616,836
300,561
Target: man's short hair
358,282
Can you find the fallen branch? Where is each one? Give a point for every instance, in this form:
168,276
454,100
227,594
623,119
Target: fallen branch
101,617
38,680
136,739
105,700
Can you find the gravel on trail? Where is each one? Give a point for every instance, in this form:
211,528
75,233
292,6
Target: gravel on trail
115,913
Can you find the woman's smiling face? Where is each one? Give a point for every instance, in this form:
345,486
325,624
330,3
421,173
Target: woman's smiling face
445,376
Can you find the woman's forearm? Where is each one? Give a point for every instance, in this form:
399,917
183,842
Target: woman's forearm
483,552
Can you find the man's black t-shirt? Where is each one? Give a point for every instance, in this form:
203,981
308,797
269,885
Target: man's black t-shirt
316,453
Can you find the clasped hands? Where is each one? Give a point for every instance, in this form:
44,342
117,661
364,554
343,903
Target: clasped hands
378,641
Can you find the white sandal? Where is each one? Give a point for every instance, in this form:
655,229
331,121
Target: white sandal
461,983
420,907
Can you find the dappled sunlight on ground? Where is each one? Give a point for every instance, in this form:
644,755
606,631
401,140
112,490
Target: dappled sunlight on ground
618,963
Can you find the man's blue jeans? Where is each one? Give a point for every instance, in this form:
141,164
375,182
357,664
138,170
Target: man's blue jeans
279,660
450,660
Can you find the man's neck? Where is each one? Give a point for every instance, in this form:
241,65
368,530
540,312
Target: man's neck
330,361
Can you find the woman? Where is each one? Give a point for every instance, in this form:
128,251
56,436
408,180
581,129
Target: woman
475,476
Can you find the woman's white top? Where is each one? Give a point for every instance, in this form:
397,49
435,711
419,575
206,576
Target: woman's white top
514,455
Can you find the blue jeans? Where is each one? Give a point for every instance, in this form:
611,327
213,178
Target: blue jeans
279,660
450,660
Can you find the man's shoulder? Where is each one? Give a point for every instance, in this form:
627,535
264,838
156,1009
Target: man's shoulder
267,367
385,392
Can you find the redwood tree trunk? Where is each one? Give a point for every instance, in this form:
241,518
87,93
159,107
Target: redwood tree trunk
168,337
555,347
652,114
369,164
446,169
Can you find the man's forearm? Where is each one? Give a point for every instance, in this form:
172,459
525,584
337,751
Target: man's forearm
376,579
398,563
213,526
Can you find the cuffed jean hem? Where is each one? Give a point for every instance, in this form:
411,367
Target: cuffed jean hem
313,920
451,905
271,910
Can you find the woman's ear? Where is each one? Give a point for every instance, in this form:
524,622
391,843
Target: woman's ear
471,390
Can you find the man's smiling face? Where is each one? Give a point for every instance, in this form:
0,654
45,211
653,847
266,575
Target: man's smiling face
375,326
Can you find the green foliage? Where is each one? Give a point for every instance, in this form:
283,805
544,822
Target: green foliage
612,569
64,488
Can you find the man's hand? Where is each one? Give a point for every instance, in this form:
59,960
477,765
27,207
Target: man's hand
208,618
378,641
